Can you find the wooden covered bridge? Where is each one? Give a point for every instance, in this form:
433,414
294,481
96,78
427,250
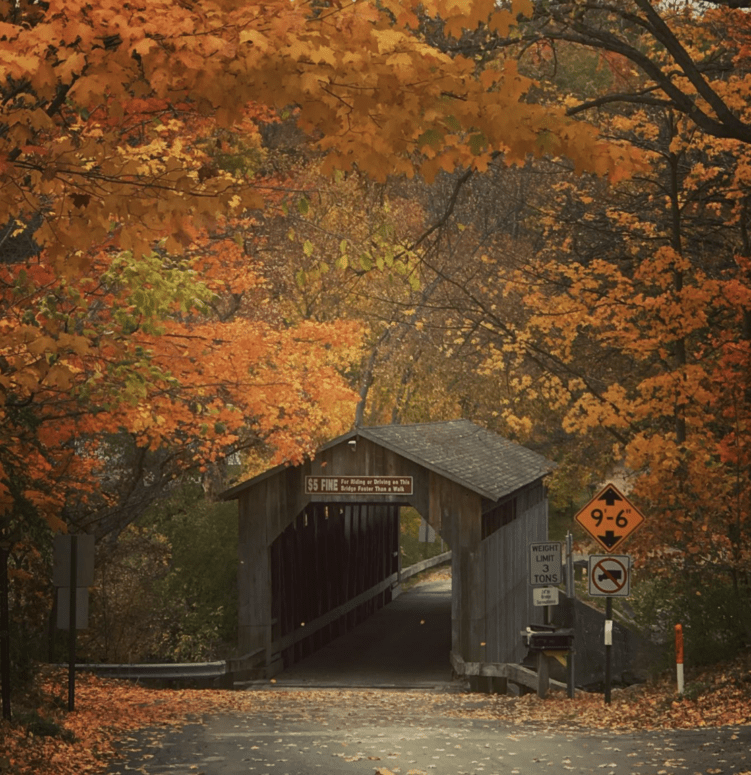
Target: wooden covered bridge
319,542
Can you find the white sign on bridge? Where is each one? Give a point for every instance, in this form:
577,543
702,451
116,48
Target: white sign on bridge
358,485
545,564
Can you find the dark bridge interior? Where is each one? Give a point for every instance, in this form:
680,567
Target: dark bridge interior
331,569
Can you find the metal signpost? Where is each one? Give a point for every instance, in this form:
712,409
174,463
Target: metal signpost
73,574
571,594
545,573
609,577
610,518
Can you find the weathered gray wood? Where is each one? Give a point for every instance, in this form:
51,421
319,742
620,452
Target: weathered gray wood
319,552
517,674
543,675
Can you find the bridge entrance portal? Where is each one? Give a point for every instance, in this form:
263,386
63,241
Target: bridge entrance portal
319,542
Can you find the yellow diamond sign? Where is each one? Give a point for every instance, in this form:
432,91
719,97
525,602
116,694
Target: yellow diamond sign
610,518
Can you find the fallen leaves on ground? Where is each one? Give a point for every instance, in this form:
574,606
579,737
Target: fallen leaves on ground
45,739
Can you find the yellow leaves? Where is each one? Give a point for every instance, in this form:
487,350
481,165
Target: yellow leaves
41,345
523,7
364,88
388,40
255,38
71,66
501,22
402,13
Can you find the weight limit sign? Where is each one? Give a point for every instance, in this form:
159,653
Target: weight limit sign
609,575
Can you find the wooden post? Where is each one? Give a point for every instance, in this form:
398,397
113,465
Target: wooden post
543,675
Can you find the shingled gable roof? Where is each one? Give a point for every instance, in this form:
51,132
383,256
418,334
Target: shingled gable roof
459,450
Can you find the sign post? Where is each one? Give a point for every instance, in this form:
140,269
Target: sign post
609,577
610,518
73,573
545,573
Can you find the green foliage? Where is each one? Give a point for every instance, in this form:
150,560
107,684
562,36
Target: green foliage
202,581
156,285
167,592
713,614
412,550
127,620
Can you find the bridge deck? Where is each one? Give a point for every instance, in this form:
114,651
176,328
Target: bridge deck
406,644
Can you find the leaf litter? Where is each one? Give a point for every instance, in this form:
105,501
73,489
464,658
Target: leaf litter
108,711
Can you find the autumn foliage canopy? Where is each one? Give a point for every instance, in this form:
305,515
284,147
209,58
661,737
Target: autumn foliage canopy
134,319
144,329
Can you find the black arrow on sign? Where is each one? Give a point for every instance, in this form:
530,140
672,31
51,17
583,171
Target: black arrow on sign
610,496
610,539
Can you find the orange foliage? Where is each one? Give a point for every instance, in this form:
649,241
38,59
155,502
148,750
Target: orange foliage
130,138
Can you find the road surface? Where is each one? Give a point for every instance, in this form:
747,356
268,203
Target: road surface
377,732
380,700
406,644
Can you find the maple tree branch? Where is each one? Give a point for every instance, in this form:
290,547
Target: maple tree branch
544,359
448,210
569,23
665,35
638,98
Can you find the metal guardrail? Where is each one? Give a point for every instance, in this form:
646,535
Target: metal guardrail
164,672
223,673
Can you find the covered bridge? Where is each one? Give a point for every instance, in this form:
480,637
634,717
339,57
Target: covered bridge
319,542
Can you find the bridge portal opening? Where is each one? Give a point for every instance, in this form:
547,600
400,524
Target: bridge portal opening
342,616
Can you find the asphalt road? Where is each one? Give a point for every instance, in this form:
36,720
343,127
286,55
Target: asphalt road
339,713
350,738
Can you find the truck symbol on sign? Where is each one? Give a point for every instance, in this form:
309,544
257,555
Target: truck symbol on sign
611,575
